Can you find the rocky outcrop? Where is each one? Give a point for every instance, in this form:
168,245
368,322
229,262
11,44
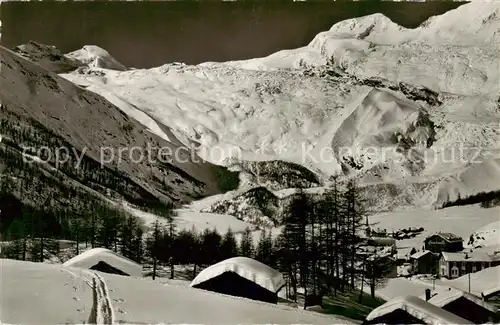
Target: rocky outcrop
48,57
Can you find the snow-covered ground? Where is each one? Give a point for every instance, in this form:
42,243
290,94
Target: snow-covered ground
487,236
398,287
56,294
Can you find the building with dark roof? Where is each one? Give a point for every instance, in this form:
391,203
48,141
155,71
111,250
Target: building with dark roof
424,262
465,305
454,265
411,310
444,242
241,277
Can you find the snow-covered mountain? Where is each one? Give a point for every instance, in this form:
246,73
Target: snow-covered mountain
42,110
412,114
416,109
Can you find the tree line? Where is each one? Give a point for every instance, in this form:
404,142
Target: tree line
321,247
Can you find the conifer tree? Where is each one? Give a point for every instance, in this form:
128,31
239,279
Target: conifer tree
246,244
210,241
152,244
229,245
264,252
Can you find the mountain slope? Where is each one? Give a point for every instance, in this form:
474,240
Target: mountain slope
43,103
425,100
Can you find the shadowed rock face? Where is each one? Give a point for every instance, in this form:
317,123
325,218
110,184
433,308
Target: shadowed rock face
146,34
47,56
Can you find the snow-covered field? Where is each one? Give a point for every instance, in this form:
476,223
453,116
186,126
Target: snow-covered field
487,236
461,220
56,294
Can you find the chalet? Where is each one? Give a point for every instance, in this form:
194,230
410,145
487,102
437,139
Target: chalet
241,277
444,242
465,305
424,262
411,310
454,265
105,260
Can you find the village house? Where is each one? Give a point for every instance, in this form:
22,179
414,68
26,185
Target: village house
424,262
241,277
464,304
454,265
444,242
411,310
107,261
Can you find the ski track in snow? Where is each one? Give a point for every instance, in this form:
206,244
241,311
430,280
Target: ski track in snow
102,308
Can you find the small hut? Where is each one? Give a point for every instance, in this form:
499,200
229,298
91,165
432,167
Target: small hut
466,306
241,277
412,310
105,260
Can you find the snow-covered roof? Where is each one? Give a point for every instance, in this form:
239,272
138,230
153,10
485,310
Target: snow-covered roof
448,236
468,256
418,308
442,298
247,268
384,241
418,255
485,282
93,256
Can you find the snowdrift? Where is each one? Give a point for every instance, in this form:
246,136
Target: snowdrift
419,309
247,268
57,294
93,256
96,57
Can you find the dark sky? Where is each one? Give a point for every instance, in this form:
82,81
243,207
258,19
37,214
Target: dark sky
146,34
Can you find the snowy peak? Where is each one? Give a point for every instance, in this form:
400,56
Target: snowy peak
479,25
375,28
440,54
96,57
